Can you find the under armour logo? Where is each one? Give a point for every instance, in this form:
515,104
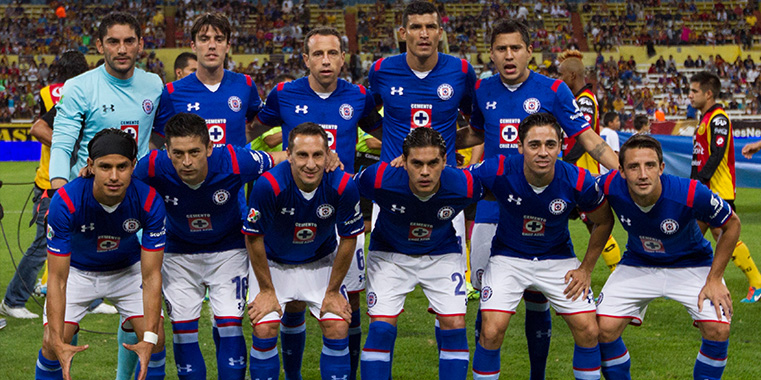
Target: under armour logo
540,333
511,199
186,368
107,107
173,201
397,90
395,208
625,220
334,377
304,109
491,105
194,107
91,227
240,361
289,211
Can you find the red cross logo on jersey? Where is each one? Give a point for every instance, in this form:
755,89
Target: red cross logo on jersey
107,243
421,116
533,227
508,133
131,129
420,232
201,223
217,133
304,234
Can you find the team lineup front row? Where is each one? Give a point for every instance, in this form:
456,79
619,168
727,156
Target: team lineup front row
301,229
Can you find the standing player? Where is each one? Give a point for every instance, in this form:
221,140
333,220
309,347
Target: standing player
226,100
185,64
667,256
713,164
94,252
418,201
295,255
338,107
205,249
532,247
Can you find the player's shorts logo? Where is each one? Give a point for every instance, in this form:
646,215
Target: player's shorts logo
304,233
346,111
254,215
325,211
480,276
445,213
51,233
234,103
669,226
599,299
148,106
531,105
558,206
168,306
486,293
108,243
445,91
220,197
131,225
372,299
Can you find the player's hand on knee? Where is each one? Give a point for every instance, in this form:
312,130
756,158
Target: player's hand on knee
65,353
264,303
333,162
334,302
579,282
397,162
143,350
720,298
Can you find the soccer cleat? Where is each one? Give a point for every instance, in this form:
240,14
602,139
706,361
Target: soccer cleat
753,295
104,308
473,293
17,312
40,290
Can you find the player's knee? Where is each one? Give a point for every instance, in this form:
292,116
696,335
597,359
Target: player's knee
451,323
266,330
586,334
714,331
607,331
335,329
492,335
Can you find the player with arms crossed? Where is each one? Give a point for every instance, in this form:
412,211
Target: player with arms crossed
532,247
666,256
417,201
295,256
205,249
94,252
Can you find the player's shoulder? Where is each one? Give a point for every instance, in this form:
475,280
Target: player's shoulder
612,183
540,81
571,174
680,190
457,180
488,83
391,63
338,180
239,78
351,88
147,79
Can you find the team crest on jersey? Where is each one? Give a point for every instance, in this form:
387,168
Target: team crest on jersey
346,111
51,232
108,243
304,233
372,299
220,197
325,211
254,215
445,213
486,293
199,222
669,226
217,131
445,92
558,206
652,245
420,232
234,103
599,299
533,226
531,105
131,225
148,106
420,115
131,127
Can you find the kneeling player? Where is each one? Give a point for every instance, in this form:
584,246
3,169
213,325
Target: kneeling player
666,256
418,203
532,248
94,252
295,256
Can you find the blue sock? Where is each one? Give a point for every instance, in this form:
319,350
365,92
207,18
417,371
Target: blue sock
334,360
615,360
293,337
47,369
712,358
437,333
231,350
485,363
538,332
156,366
586,362
265,363
376,356
454,354
477,329
355,342
127,362
187,353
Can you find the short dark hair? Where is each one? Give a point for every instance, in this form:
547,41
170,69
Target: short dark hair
609,117
118,18
539,119
511,26
422,138
70,64
182,60
307,129
640,142
212,19
323,31
419,8
186,125
708,81
640,121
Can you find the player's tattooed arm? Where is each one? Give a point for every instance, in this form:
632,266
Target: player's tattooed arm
266,301
715,289
334,301
598,149
468,137
579,280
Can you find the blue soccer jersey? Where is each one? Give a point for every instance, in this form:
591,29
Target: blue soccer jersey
410,102
290,104
535,225
300,228
208,218
225,110
668,234
98,240
497,112
406,224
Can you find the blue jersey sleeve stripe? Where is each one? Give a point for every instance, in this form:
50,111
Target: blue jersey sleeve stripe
170,87
691,193
580,180
464,66
342,186
233,159
149,200
248,80
469,179
556,85
501,166
379,175
273,182
152,163
59,254
608,181
377,65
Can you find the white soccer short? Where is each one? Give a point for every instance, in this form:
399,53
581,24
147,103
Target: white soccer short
480,251
355,276
630,289
391,276
298,282
506,278
122,287
187,276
